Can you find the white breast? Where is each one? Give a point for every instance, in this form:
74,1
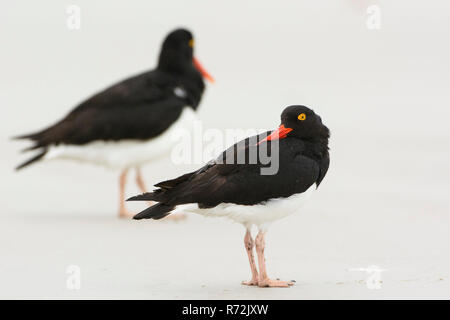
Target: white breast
260,215
125,153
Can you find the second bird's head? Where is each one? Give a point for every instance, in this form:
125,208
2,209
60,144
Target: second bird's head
177,53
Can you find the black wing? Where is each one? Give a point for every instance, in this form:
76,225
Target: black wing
241,183
140,107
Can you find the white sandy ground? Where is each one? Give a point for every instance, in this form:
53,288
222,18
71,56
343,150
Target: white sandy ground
205,259
344,226
384,202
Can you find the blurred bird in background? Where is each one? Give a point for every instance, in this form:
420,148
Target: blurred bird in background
131,122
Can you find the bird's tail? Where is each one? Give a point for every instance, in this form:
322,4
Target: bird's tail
37,157
37,145
157,211
30,136
146,196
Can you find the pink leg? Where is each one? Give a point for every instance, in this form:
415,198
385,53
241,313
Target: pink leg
123,212
141,184
263,279
249,245
140,181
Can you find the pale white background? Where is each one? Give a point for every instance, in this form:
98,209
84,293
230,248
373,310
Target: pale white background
384,94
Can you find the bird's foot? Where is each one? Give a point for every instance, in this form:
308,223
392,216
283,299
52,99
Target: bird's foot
274,283
253,282
125,214
176,217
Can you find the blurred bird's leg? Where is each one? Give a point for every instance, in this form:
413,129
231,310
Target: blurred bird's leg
140,181
249,245
123,212
263,279
141,184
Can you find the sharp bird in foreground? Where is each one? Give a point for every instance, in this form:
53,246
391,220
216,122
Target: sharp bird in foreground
131,122
239,191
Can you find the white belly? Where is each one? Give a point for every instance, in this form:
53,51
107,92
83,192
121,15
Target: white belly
260,215
126,153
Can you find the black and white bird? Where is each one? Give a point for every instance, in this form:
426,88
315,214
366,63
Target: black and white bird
242,192
131,122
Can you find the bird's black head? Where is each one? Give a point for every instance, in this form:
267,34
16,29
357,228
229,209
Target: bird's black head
303,122
300,122
177,54
177,49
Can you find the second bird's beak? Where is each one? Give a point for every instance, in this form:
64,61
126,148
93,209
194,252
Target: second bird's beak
278,134
202,70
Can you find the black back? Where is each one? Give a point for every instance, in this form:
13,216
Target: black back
303,161
140,107
244,184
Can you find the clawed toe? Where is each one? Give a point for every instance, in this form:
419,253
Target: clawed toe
274,283
176,217
252,282
268,283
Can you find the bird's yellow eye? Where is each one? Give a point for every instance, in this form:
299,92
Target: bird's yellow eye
191,43
301,116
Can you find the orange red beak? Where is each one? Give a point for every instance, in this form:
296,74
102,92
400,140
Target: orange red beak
202,70
278,134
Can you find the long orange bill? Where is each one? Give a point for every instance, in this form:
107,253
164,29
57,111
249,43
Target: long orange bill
278,134
202,70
